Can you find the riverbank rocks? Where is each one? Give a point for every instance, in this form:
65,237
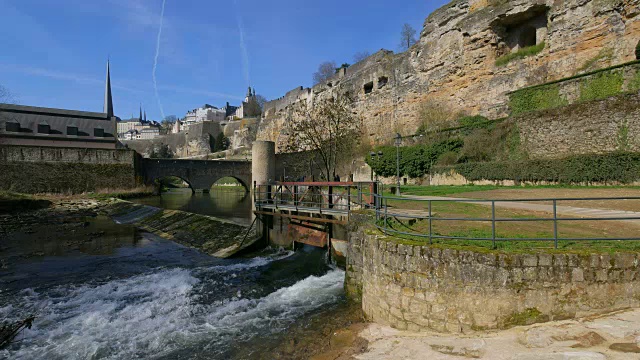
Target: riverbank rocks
557,340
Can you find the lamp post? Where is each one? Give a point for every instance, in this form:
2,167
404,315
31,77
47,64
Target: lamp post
373,158
398,143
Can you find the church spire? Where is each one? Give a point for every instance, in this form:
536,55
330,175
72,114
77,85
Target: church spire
108,100
140,112
145,115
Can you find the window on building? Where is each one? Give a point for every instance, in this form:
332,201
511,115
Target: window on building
44,128
368,87
382,81
72,130
12,126
98,132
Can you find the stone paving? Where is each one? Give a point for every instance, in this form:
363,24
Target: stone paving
613,336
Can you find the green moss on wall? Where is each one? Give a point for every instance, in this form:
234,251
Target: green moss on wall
528,317
538,98
601,86
634,82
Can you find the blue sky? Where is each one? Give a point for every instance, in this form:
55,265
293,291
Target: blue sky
53,53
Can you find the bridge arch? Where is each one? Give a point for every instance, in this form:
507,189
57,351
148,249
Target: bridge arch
158,181
199,174
242,182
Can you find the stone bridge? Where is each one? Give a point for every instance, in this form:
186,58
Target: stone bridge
199,174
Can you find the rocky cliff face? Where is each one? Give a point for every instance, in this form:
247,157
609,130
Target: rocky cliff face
459,61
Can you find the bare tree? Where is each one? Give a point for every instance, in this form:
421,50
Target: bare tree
359,56
407,36
330,129
325,71
255,106
5,95
261,100
7,98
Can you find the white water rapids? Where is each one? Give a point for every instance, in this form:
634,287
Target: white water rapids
161,313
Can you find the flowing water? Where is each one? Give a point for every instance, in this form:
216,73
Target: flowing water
125,295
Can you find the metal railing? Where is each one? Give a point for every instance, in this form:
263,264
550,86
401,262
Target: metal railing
337,198
340,198
386,214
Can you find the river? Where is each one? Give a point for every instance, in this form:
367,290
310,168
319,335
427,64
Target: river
127,294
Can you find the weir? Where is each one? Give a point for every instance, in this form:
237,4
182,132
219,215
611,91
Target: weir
306,212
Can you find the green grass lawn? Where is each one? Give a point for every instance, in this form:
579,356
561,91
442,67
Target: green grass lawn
451,229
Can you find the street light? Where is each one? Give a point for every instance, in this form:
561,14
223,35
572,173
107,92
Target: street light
398,143
373,158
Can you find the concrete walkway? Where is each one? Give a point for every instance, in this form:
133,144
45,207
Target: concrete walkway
563,211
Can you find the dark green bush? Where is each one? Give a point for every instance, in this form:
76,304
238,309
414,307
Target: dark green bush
415,161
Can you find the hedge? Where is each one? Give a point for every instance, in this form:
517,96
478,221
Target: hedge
618,167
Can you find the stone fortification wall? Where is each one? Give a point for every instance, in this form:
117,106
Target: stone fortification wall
430,288
455,61
41,169
194,142
587,128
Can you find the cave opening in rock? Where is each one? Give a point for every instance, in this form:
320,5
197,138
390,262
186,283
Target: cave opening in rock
368,87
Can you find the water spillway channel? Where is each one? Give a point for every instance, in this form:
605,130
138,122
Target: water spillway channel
126,294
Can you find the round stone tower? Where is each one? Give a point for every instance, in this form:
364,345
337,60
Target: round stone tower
263,162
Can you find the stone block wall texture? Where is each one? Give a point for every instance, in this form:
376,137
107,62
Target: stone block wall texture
39,169
593,127
454,62
426,288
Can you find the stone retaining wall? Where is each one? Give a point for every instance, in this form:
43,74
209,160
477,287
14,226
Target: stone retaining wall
31,169
429,288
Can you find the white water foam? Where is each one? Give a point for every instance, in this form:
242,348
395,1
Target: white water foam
149,316
254,262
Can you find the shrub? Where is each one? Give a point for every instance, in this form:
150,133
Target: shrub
448,158
415,161
435,117
520,54
490,143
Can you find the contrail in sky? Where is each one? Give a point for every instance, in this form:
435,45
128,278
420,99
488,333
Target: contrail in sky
243,46
155,61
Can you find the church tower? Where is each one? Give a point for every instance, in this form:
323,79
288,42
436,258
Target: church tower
108,100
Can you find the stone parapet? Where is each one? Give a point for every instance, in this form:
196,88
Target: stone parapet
429,288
